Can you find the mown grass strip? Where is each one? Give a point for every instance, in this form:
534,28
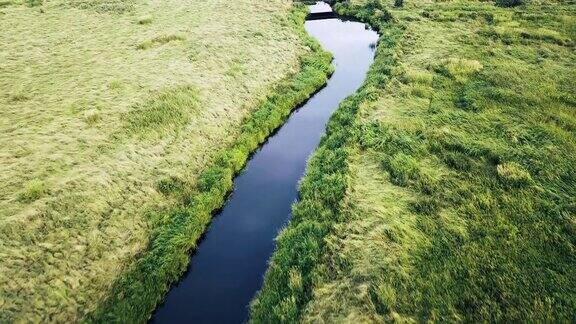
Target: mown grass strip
294,267
135,295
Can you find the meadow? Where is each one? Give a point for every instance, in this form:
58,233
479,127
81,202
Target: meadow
117,120
444,190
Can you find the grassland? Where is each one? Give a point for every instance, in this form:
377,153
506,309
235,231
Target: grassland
445,190
121,125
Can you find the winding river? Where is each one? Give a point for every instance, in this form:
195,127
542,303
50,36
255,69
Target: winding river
227,269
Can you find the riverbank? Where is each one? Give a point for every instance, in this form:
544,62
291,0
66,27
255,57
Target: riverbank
111,112
444,189
229,262
138,292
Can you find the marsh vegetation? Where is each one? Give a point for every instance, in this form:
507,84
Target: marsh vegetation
109,111
445,189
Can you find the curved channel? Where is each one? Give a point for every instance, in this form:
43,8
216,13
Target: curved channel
228,266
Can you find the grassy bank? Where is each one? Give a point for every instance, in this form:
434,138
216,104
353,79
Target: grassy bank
125,122
445,189
136,295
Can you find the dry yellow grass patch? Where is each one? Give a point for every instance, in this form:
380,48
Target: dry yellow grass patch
101,100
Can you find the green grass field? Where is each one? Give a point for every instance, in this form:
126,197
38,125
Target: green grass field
109,112
445,190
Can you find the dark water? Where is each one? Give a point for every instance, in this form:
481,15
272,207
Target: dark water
228,267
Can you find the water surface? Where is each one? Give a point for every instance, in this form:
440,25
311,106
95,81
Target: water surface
228,266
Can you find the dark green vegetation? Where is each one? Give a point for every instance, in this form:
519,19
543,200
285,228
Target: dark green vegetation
137,293
445,189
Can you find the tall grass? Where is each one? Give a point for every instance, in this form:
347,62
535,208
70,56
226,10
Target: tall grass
301,246
101,140
451,203
138,291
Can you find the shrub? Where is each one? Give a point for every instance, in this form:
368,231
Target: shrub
398,3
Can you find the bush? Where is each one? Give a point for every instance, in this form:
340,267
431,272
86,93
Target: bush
398,3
